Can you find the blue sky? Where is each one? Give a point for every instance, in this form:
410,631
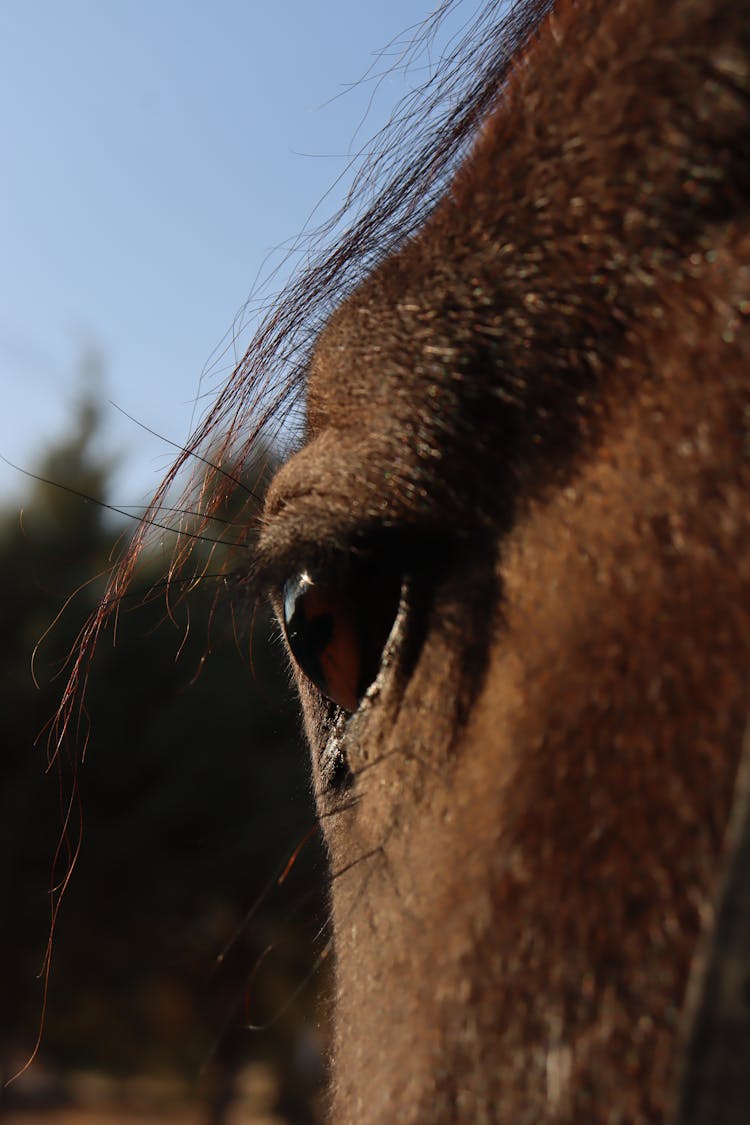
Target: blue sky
154,152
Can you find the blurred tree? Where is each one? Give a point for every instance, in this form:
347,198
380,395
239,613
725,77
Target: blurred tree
194,788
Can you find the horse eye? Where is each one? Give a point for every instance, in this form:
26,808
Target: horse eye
337,624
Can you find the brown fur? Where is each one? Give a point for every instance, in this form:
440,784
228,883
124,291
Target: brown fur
540,409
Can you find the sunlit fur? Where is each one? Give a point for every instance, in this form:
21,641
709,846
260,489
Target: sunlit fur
537,408
542,405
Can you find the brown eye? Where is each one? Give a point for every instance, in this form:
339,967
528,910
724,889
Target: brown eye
337,625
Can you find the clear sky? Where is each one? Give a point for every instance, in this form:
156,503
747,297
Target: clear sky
153,153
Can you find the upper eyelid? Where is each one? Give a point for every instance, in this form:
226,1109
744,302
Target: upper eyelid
302,527
283,549
282,553
298,528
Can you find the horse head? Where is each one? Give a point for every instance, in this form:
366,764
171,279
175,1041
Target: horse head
511,561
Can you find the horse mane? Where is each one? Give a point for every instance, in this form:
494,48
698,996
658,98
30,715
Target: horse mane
398,180
399,177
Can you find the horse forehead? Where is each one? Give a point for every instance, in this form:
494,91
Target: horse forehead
382,349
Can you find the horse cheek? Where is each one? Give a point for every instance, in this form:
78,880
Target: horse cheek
521,897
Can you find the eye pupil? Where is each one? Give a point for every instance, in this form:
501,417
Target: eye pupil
336,626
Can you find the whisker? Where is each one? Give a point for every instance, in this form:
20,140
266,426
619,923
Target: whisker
187,451
192,512
244,1000
319,960
277,879
296,852
147,520
356,862
323,954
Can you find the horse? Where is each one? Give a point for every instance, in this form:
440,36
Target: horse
510,556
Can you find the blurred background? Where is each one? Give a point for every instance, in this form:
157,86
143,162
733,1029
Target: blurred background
160,161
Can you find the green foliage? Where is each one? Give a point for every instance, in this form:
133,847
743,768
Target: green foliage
193,789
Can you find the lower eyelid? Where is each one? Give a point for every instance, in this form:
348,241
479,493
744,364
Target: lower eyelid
334,767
